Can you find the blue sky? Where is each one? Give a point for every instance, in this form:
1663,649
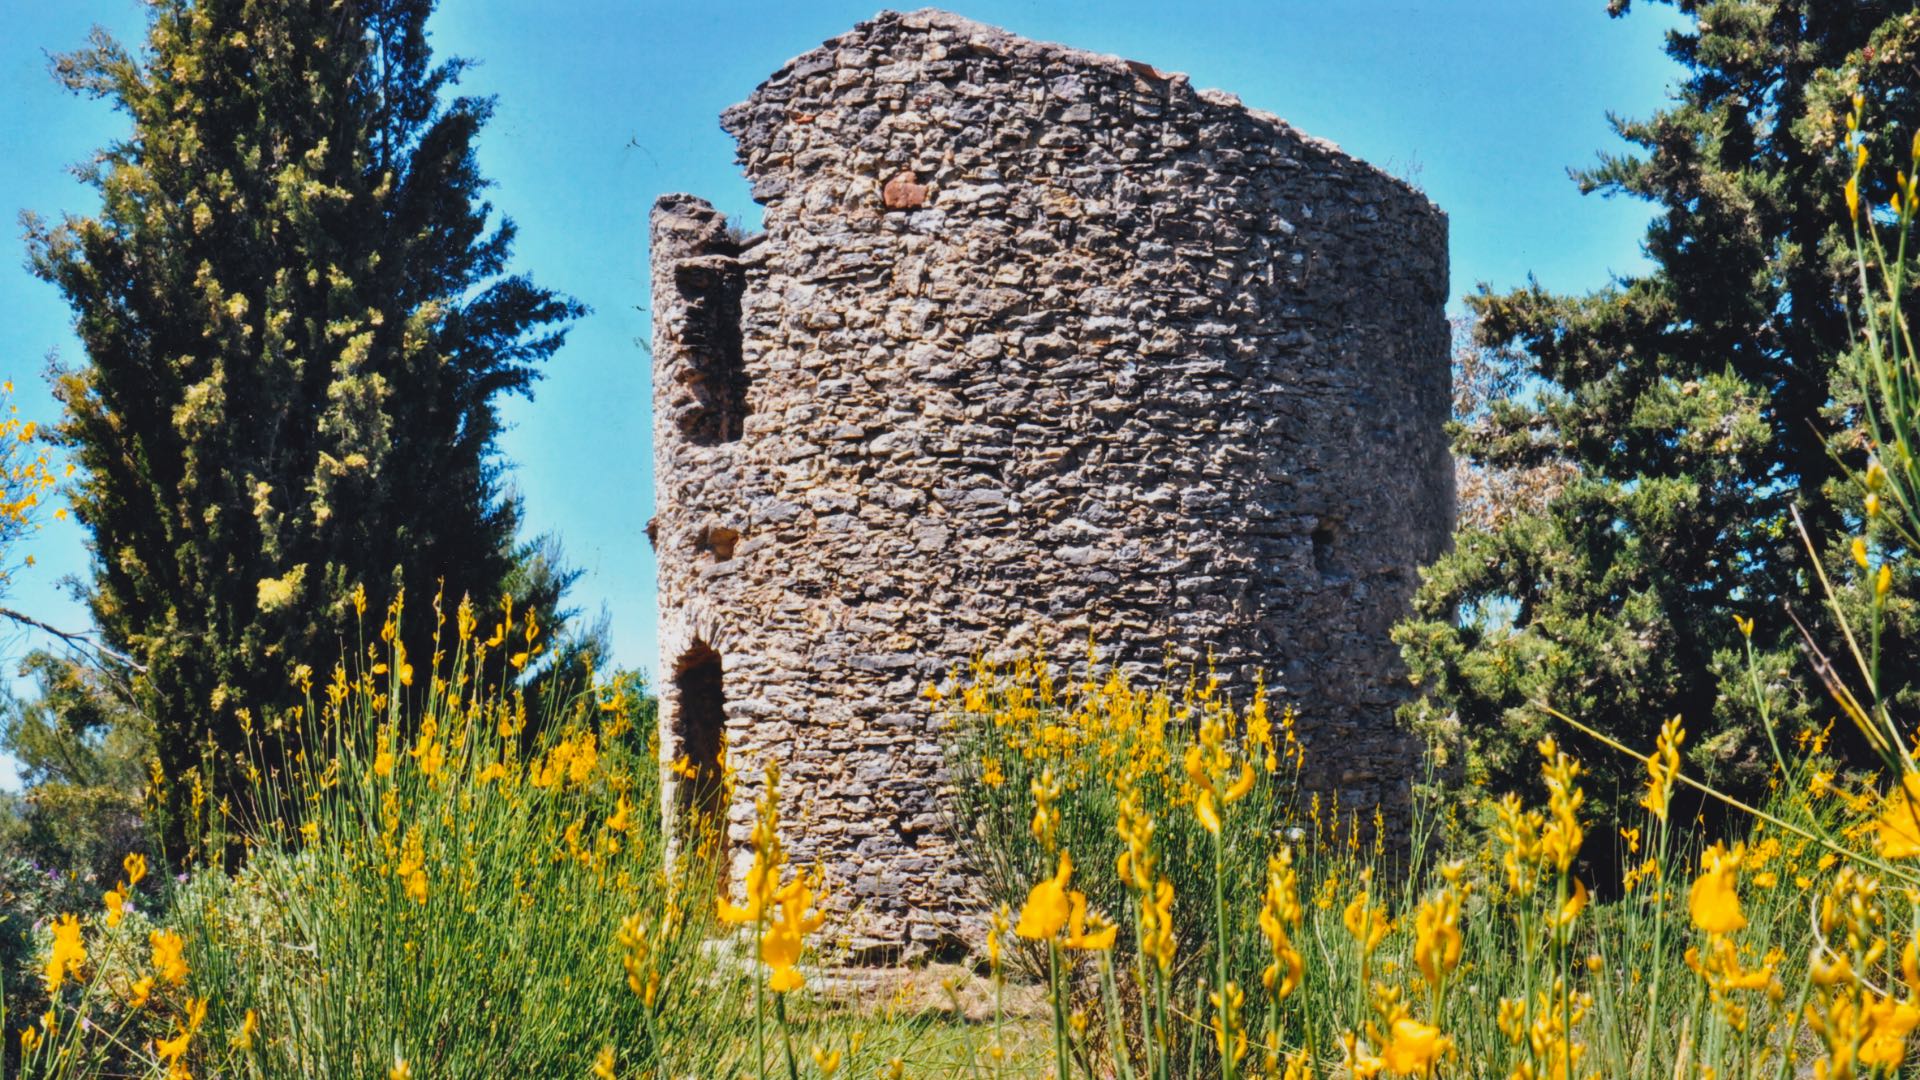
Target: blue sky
605,105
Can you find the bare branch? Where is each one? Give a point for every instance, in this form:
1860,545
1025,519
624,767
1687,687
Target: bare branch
76,639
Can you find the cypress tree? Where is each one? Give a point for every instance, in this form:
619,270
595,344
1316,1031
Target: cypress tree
1695,407
298,321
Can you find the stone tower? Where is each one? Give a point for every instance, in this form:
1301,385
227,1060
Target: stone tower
1035,340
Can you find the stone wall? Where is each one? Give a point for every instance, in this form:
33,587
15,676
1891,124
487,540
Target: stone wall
1035,341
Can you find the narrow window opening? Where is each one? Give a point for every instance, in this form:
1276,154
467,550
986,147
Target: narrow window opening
699,720
716,372
1326,557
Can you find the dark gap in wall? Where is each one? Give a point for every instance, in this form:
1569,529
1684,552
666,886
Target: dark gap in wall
1325,536
699,720
718,541
712,284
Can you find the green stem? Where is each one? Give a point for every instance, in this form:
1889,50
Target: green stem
1116,1028
759,1018
1659,924
1560,952
1062,1060
1224,1036
786,1035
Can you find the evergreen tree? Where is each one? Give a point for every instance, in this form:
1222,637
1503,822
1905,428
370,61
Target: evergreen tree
1696,408
298,321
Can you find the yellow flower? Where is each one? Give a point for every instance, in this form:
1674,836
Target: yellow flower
996,926
1241,785
400,1070
249,1027
1714,901
827,1060
172,1050
642,979
1897,830
412,871
1663,767
622,819
168,960
1229,1033
1745,624
1156,925
1560,840
760,886
67,955
991,773
1046,816
1360,1064
763,877
603,1065
1414,1048
1204,809
1437,941
785,938
1366,923
29,1040
136,868
1048,906
429,753
1889,1022
1077,937
1280,909
141,990
1574,905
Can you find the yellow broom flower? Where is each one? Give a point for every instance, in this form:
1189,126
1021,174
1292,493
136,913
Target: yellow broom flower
1714,901
169,961
1415,1048
785,939
1104,932
1048,906
1437,941
67,955
1896,833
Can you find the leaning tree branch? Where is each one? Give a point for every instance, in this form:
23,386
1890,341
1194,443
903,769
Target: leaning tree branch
76,639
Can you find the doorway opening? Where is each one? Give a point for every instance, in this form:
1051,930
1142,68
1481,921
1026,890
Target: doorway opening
700,719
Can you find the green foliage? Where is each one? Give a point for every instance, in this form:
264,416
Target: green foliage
82,754
463,882
1699,407
1095,743
297,320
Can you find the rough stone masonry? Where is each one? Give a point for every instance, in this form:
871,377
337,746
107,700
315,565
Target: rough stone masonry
1034,341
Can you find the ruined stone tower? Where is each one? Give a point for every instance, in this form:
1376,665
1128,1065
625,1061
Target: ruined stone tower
1035,340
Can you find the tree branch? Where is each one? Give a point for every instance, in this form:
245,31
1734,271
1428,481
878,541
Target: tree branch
79,640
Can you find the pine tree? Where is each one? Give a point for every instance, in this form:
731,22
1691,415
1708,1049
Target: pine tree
1697,407
298,321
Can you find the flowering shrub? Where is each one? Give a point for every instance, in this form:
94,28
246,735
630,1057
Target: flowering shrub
428,889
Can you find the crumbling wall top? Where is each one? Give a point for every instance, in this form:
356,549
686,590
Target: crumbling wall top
755,121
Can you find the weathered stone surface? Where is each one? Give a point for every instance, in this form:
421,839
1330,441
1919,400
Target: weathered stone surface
1036,341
